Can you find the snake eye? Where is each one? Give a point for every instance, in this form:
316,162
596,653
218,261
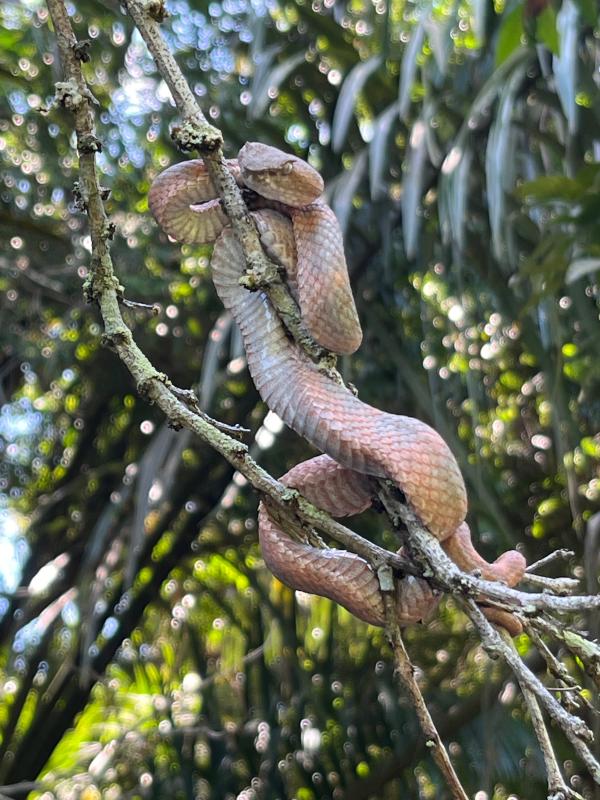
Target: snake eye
287,168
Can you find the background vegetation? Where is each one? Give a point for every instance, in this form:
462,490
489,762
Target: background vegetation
145,652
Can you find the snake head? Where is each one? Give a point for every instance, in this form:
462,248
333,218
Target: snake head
279,176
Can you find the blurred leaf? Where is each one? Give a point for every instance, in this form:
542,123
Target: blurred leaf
548,262
549,188
454,187
580,268
412,187
510,34
487,94
408,67
480,13
546,29
379,150
346,189
500,167
439,28
210,361
588,176
270,81
344,108
565,64
430,111
588,215
589,10
152,468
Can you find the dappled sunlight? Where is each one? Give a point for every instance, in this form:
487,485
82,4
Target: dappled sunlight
145,649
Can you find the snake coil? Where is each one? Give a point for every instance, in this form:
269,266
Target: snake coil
300,233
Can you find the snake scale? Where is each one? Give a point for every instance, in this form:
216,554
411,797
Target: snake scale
301,234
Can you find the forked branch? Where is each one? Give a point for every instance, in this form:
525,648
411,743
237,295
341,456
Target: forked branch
196,133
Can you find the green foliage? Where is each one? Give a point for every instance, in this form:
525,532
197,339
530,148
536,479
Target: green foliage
144,649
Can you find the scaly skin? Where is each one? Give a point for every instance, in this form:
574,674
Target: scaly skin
362,439
347,577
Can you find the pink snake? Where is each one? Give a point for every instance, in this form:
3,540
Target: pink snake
301,233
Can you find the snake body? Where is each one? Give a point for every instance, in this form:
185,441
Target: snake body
358,440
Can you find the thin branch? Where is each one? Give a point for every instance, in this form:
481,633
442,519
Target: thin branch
587,651
154,308
146,19
190,398
565,555
561,586
574,728
405,672
427,551
558,671
557,787
438,567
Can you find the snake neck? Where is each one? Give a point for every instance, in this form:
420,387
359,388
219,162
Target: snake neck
329,416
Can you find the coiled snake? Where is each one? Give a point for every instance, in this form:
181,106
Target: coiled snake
301,233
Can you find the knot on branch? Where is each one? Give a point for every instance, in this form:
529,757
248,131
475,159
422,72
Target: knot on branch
290,496
239,451
156,10
82,50
89,144
67,94
261,274
197,135
116,339
100,280
385,575
79,197
145,385
108,231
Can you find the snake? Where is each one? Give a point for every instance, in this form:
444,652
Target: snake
357,442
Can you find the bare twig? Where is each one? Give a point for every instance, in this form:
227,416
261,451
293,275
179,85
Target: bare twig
154,308
561,586
565,555
558,671
573,727
557,787
205,135
191,400
405,672
587,651
427,552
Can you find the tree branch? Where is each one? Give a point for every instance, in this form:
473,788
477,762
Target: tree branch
103,287
405,672
196,134
574,728
557,787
